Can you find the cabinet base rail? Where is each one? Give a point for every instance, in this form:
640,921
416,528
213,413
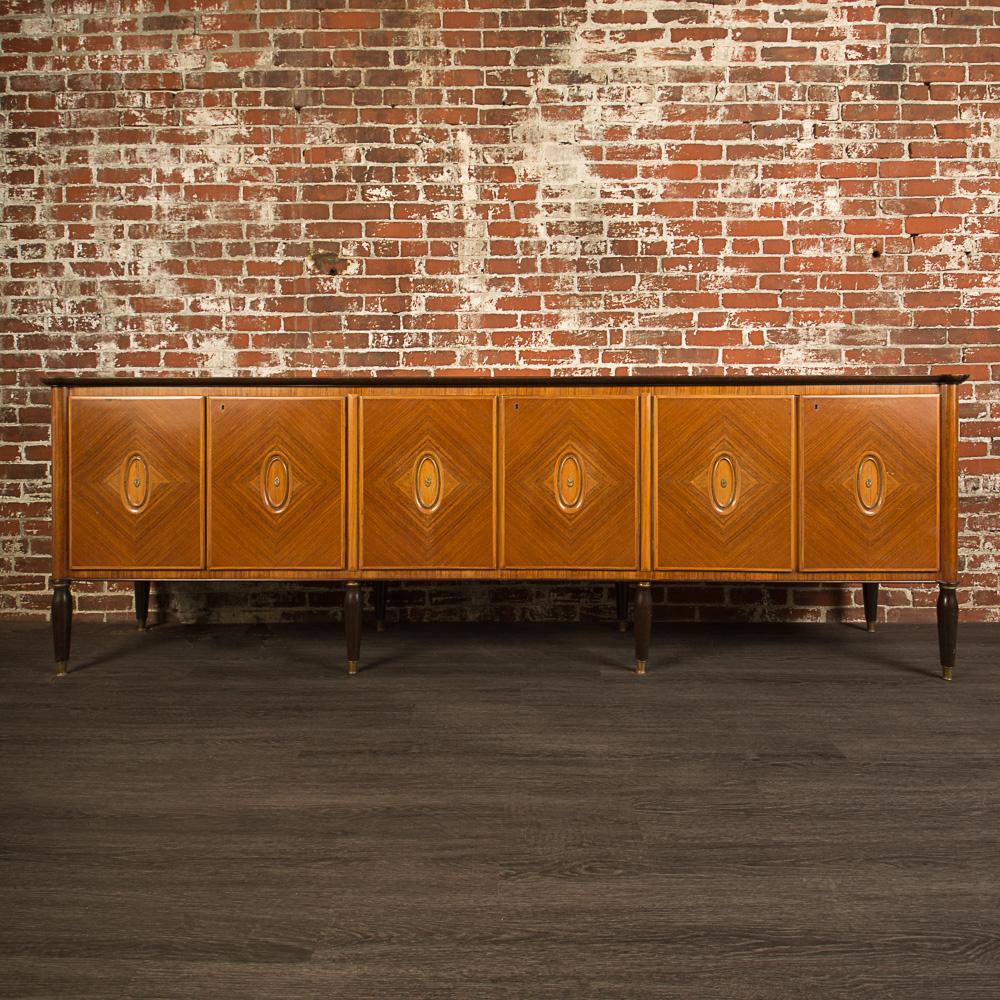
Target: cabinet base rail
62,619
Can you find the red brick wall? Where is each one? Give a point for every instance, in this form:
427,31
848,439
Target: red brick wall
603,186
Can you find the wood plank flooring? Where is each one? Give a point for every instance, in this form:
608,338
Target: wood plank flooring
773,812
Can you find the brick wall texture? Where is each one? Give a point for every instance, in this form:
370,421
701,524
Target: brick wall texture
595,186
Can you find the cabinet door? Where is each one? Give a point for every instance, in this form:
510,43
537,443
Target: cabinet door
276,483
135,483
570,482
427,482
869,471
724,483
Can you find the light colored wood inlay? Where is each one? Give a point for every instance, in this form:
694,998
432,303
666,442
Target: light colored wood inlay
723,482
276,483
135,488
871,483
569,481
428,482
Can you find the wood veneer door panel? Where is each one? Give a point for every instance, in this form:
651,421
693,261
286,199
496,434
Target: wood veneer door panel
570,482
724,497
869,482
427,482
276,483
135,483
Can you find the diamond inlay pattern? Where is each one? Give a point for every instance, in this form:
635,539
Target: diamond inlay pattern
247,530
107,531
598,531
901,532
752,528
454,525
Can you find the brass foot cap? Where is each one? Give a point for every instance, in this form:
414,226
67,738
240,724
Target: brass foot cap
352,667
871,626
622,626
379,626
946,673
640,666
60,668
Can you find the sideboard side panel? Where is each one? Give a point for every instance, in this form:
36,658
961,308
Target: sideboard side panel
949,483
60,484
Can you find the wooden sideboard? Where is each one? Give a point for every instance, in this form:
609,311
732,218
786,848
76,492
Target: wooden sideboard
625,480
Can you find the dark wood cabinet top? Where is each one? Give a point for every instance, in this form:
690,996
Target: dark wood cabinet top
502,381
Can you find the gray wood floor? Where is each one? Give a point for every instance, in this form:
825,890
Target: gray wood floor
773,812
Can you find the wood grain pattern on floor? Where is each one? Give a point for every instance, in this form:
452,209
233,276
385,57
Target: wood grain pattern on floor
487,811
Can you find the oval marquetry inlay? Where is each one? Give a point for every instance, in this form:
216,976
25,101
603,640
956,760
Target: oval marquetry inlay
569,481
722,481
428,482
277,482
136,486
871,483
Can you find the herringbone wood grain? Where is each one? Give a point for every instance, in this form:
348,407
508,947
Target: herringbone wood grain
246,531
397,530
106,531
692,530
600,530
836,433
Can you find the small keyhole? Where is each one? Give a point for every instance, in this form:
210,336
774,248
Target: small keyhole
277,481
724,483
815,406
223,406
569,483
868,483
135,483
427,482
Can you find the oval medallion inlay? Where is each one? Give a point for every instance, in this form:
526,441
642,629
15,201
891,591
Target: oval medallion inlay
277,482
871,483
569,481
428,485
136,485
723,481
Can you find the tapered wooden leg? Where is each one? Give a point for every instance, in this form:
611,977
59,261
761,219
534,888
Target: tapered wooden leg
352,624
947,619
62,621
141,603
379,600
621,603
871,604
643,617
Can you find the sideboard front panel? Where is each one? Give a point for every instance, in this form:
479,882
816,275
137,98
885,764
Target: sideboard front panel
427,493
723,468
869,481
570,482
276,483
135,483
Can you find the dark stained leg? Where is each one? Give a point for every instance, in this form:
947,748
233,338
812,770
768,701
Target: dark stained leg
947,618
643,625
62,621
379,601
871,604
621,603
352,624
141,603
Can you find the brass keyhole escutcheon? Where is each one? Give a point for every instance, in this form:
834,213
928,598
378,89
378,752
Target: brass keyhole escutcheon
569,483
724,483
428,482
136,483
276,481
868,483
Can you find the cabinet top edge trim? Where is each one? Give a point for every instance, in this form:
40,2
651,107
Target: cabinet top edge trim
500,381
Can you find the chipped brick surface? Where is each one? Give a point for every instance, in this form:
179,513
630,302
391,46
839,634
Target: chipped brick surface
596,186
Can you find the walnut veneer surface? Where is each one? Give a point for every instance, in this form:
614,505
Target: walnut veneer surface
631,480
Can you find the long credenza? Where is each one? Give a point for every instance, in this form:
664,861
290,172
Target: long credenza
625,480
